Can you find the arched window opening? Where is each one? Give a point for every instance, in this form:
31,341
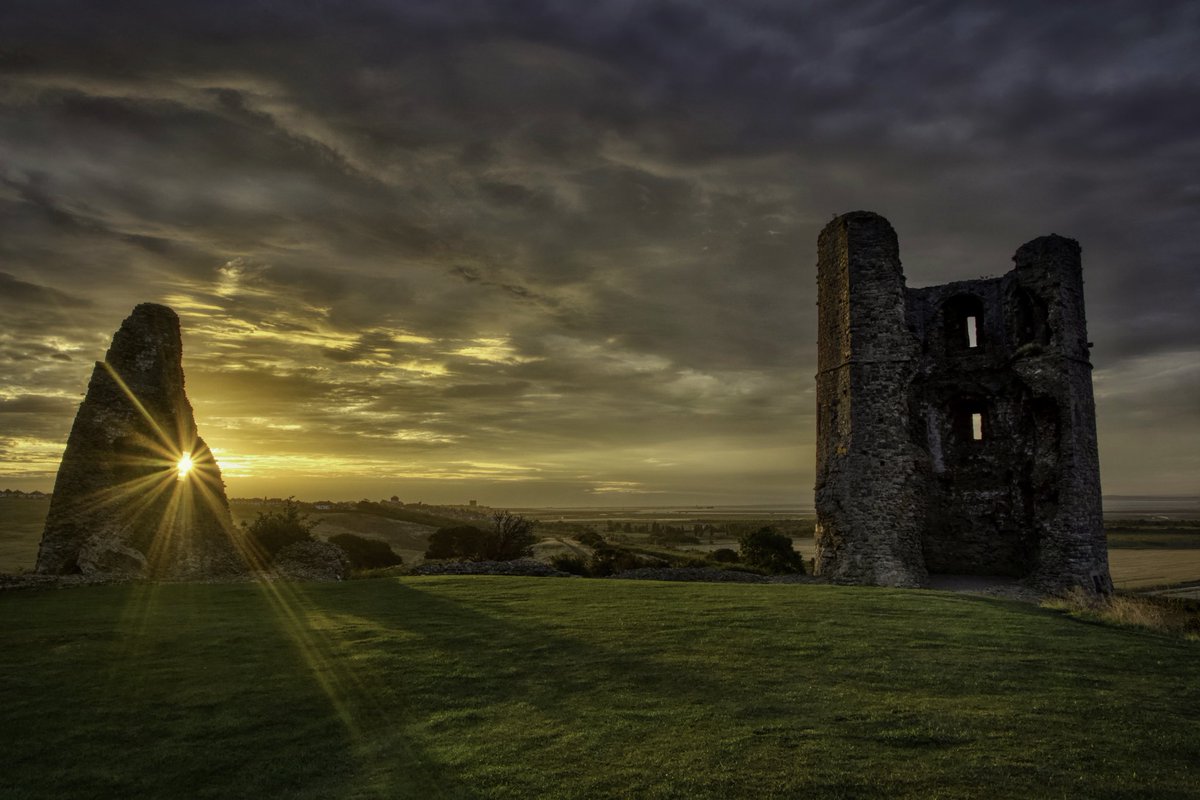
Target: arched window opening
963,320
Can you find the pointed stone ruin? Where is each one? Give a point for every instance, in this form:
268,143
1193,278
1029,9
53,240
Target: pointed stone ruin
121,504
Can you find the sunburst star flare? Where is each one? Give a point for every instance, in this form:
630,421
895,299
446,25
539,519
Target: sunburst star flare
138,491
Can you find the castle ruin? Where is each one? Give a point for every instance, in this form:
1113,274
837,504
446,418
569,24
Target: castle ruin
956,429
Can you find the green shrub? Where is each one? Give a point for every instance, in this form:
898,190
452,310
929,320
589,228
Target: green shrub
271,531
511,537
608,560
724,555
771,551
460,541
366,553
569,563
590,539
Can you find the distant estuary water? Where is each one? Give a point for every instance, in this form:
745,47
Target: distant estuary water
1167,506
1115,506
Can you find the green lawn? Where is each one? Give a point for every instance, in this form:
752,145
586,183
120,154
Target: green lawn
21,524
1143,539
518,687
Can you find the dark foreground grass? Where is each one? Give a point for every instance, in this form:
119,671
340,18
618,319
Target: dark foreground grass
517,687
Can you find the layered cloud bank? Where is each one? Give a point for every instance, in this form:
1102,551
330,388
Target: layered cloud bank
563,253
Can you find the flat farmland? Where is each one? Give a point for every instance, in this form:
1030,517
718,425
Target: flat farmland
1138,569
1141,555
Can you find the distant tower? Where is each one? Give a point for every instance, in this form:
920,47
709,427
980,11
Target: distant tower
956,427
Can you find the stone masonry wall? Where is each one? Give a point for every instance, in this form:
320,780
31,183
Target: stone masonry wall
867,474
905,483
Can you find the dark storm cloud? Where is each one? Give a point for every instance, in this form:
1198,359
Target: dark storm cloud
22,293
520,230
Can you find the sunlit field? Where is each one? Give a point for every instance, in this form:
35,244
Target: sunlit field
1138,569
1140,557
519,687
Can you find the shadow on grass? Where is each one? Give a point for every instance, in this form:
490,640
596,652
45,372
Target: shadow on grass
485,687
502,686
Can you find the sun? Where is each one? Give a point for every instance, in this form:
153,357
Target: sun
184,466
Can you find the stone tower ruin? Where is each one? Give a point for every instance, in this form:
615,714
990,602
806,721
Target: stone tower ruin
956,429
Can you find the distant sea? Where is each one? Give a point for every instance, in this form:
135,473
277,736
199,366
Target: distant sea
1167,506
1116,505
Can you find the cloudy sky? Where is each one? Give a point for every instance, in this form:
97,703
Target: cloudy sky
564,252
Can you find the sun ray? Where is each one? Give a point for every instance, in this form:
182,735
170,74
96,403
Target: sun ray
137,404
182,472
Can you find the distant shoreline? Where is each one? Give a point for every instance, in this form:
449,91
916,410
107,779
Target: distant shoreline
1173,506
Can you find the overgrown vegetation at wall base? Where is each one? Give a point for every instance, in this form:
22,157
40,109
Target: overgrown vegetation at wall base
496,687
1170,615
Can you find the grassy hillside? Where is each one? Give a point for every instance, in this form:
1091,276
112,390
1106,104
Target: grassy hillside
408,539
1143,553
21,523
512,687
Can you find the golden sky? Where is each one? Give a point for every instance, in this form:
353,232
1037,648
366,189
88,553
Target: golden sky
566,257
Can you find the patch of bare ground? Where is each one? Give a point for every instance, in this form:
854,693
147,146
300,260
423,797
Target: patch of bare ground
986,586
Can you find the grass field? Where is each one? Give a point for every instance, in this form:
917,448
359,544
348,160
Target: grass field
518,687
21,523
1138,569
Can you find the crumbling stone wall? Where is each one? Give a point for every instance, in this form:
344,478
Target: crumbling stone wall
955,423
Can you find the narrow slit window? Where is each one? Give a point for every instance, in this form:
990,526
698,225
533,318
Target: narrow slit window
962,320
977,427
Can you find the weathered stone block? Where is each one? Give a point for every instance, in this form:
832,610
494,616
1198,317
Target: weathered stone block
121,504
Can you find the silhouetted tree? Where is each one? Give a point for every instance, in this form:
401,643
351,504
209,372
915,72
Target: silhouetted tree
511,537
771,551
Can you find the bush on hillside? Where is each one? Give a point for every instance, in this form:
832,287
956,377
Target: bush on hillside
590,539
366,553
510,538
464,542
771,551
271,531
569,563
724,555
608,560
